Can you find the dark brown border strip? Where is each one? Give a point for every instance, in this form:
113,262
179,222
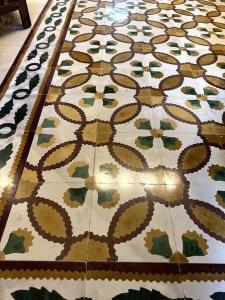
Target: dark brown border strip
134,267
40,270
202,272
159,272
42,265
202,268
34,122
127,267
12,70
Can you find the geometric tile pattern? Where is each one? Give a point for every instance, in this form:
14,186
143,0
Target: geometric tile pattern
122,160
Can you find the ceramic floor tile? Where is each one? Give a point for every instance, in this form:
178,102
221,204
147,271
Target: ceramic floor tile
199,234
63,112
144,69
212,171
114,236
199,107
128,116
173,149
127,160
175,119
60,157
50,217
139,31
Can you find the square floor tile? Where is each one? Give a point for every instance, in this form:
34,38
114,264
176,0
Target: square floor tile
128,226
212,170
172,147
127,161
60,157
199,233
50,217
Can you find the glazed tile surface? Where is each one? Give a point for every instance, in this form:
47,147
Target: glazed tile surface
112,161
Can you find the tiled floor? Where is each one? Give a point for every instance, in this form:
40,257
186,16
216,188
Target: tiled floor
112,154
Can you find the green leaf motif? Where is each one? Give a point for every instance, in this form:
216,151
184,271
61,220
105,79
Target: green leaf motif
51,38
156,74
145,125
218,296
187,90
161,246
108,102
47,123
105,195
21,77
194,103
215,104
36,294
63,72
220,196
41,36
109,90
191,247
106,170
67,62
48,20
14,244
32,54
20,114
219,174
144,294
90,89
171,143
166,125
6,108
44,138
57,22
54,7
210,91
43,57
63,9
5,155
81,172
145,141
78,194
34,82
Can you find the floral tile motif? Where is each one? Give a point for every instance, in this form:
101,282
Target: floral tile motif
193,245
114,209
117,154
34,232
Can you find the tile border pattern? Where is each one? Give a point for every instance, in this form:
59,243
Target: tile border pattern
159,272
18,164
